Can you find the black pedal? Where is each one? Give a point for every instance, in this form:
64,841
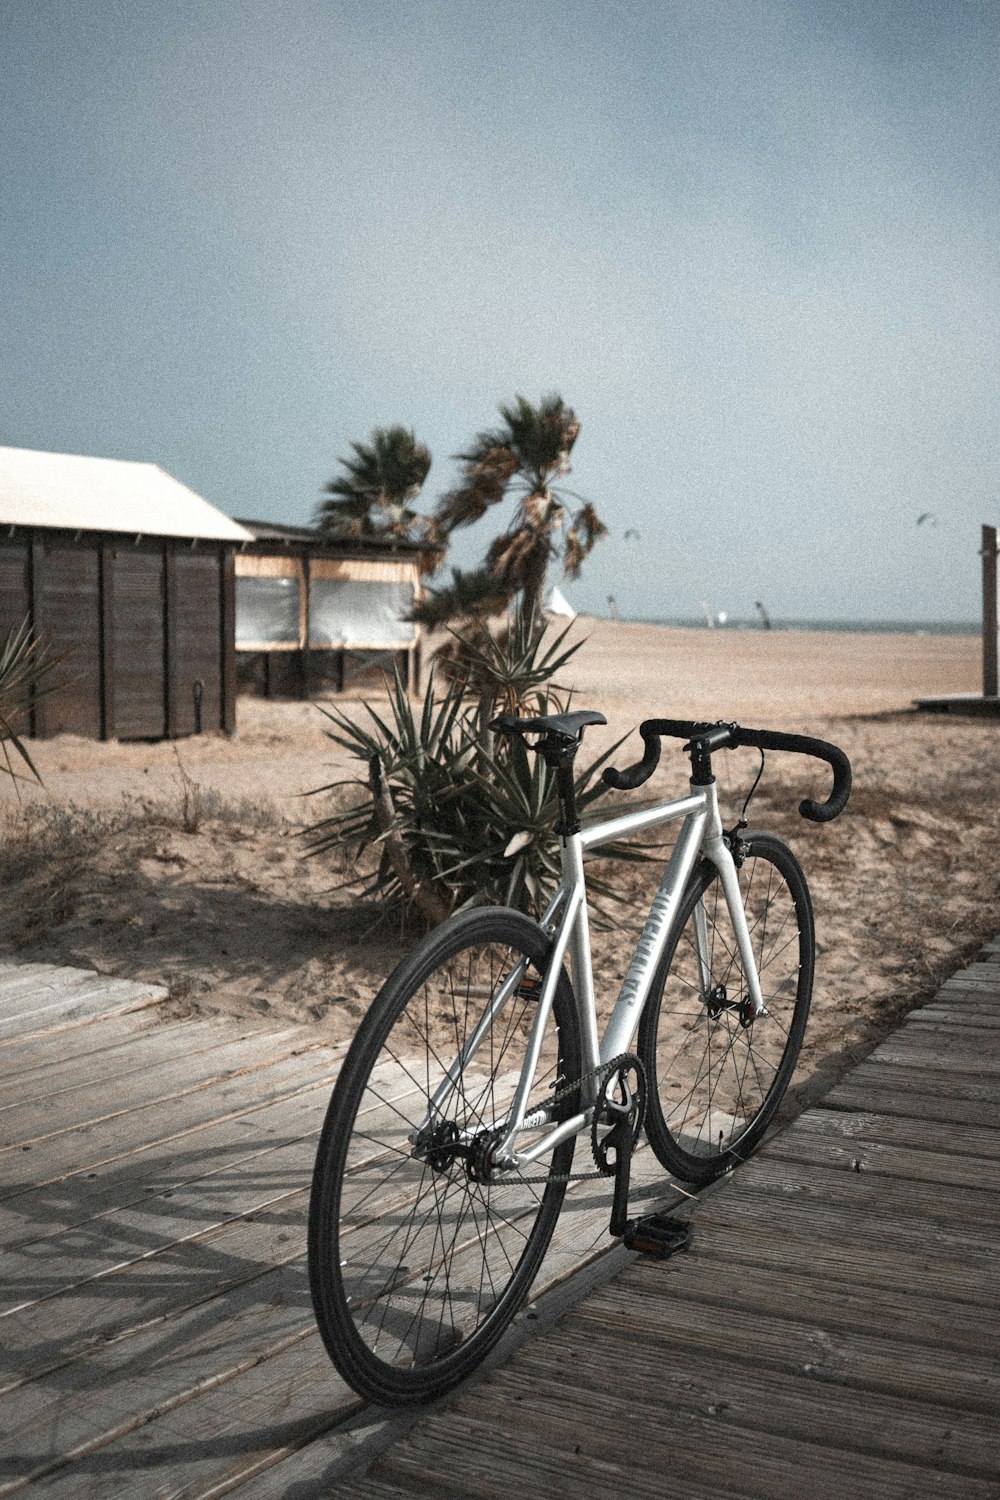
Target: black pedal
658,1234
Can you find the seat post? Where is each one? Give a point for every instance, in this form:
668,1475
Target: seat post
569,821
559,751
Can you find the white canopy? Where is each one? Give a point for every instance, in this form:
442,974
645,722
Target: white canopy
559,605
105,494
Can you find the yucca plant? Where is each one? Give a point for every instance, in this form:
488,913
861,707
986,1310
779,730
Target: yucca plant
459,818
25,667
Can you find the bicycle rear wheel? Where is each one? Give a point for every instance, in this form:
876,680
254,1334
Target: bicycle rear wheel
417,1264
717,1077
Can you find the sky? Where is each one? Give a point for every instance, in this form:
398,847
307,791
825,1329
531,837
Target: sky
755,246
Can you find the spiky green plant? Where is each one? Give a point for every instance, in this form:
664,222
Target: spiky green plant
456,818
25,667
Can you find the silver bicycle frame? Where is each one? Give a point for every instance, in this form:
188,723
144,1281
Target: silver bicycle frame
701,835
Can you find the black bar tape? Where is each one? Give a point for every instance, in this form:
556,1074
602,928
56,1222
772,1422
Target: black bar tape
760,739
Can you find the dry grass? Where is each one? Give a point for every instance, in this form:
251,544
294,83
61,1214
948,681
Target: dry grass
213,895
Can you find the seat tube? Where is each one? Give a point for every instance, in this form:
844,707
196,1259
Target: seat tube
571,855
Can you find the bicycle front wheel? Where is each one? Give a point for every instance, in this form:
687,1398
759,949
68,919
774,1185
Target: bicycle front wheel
716,1075
419,1255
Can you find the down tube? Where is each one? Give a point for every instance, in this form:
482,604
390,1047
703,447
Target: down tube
659,924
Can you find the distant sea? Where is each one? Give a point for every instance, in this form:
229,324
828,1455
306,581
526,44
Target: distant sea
865,627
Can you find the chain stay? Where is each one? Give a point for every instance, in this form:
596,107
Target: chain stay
603,1071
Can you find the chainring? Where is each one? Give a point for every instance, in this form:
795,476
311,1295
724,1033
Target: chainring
621,1098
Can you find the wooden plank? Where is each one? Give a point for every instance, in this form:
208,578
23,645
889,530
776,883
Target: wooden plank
67,614
169,556
842,1301
138,640
866,1195
227,640
962,1379
747,1396
77,997
16,975
853,1095
889,1250
570,1445
932,1086
107,640
315,1378
120,1059
839,1134
968,1017
732,1386
102,1036
986,972
15,594
48,1331
90,1104
952,1050
197,642
162,1166
81,1151
147,1382
68,1259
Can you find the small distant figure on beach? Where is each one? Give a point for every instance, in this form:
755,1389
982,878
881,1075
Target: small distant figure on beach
765,618
613,612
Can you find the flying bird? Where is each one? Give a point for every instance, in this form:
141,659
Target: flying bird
927,515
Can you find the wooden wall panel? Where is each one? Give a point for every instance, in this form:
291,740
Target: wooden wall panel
15,597
137,653
196,641
67,616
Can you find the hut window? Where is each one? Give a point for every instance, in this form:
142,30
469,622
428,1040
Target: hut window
354,612
267,611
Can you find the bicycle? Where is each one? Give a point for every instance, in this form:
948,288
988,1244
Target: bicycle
449,1139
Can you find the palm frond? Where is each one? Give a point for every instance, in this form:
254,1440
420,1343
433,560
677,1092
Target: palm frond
375,492
26,667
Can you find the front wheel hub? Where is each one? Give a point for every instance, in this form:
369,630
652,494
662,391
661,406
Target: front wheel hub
716,1001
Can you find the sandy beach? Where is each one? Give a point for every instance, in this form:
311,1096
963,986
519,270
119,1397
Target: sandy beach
104,866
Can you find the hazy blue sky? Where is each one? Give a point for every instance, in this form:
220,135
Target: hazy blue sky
756,246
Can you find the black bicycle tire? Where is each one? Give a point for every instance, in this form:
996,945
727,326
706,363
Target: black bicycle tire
371,1376
703,1166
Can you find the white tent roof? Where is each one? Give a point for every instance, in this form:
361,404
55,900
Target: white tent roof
559,605
105,494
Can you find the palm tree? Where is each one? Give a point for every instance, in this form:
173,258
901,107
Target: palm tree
524,457
374,496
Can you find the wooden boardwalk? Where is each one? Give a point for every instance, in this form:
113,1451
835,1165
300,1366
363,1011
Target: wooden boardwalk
833,1331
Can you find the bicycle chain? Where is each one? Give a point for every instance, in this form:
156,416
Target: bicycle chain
603,1071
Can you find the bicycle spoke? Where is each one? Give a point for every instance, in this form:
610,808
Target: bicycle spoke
423,1253
718,1070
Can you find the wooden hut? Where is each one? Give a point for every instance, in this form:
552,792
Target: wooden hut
130,575
313,612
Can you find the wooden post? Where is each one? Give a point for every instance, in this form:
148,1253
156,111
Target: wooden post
306,625
107,675
169,565
227,638
36,567
989,611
